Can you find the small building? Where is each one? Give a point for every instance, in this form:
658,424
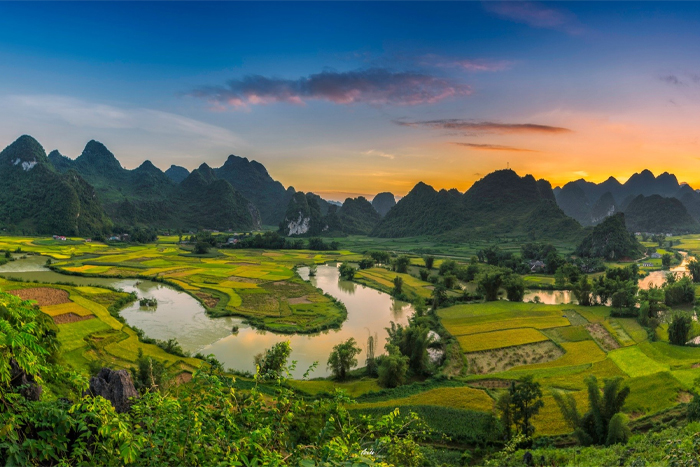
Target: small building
656,256
647,265
536,266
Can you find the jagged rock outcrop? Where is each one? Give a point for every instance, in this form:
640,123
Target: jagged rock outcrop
20,379
115,386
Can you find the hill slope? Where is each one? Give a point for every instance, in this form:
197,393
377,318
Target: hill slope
611,240
256,185
657,214
36,199
500,203
147,196
383,202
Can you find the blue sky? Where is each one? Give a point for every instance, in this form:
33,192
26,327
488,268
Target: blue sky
357,98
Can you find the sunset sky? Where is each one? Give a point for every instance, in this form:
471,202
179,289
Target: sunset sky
357,98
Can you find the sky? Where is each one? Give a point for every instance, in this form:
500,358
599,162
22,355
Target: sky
347,99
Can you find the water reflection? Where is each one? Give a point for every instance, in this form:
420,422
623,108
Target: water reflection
551,297
180,316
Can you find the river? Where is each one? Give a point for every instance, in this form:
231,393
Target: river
180,316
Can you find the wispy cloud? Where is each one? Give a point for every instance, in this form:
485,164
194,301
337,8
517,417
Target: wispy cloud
535,15
466,64
85,114
374,152
680,80
376,86
672,79
493,147
473,127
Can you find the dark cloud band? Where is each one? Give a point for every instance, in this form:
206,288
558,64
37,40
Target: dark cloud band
372,86
468,126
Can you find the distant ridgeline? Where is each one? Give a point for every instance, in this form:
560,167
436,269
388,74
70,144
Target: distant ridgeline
500,203
93,194
651,204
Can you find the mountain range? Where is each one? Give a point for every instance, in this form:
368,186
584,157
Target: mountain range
650,203
93,194
500,203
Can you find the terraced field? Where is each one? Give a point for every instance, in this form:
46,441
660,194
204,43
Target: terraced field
383,279
560,345
91,333
260,285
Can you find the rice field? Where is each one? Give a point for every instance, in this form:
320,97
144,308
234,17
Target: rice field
499,339
383,279
102,337
659,375
260,285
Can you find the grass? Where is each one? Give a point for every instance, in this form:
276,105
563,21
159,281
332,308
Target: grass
383,279
227,284
352,388
636,363
499,339
458,398
652,393
577,353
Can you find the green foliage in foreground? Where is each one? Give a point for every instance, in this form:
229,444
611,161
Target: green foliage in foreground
208,421
673,446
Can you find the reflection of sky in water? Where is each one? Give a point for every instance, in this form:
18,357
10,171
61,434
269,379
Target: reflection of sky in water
368,311
550,297
180,316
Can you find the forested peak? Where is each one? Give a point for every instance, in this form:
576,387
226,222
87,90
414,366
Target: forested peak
504,186
97,156
234,162
177,173
421,188
147,166
24,149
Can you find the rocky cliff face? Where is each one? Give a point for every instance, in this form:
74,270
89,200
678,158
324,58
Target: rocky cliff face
115,386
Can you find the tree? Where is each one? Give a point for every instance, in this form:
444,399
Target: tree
424,274
366,263
439,295
666,260
149,373
503,407
398,286
401,264
347,271
342,358
202,248
694,269
679,329
429,261
679,291
525,402
273,364
599,425
380,257
370,360
559,279
582,291
489,282
449,280
392,368
515,288
412,341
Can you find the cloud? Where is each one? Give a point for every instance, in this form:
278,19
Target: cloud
672,79
535,15
466,64
374,86
84,114
493,147
373,152
468,126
